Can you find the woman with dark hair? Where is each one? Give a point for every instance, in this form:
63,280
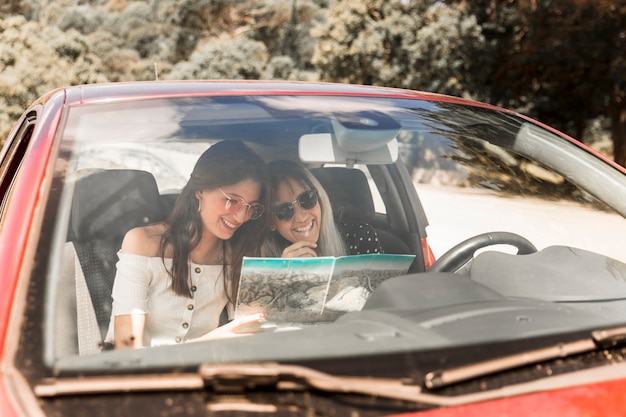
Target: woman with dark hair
301,222
175,278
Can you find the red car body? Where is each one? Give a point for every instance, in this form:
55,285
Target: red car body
23,216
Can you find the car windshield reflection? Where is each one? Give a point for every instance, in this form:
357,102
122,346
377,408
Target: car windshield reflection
402,179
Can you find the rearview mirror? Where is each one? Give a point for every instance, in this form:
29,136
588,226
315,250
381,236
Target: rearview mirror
323,148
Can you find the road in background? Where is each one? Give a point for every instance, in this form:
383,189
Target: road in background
456,214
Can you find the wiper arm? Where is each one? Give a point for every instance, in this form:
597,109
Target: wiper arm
53,387
238,378
600,339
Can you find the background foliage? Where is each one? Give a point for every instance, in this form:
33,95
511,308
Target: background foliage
561,61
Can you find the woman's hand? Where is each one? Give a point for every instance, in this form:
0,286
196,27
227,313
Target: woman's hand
300,249
230,329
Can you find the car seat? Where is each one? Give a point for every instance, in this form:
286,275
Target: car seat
353,205
105,205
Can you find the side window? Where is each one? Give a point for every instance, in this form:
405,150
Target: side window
12,156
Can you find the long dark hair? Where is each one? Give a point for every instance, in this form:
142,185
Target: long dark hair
224,163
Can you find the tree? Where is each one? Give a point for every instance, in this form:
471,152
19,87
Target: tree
419,44
11,7
285,31
561,61
184,24
35,59
239,58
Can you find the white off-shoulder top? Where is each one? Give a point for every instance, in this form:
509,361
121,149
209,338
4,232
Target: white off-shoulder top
142,285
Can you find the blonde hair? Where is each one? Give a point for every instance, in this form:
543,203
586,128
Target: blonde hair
330,242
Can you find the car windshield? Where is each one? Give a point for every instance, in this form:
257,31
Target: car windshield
421,175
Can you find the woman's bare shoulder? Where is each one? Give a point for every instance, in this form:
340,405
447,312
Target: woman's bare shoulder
144,241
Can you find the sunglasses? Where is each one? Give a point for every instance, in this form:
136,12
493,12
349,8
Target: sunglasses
307,200
236,204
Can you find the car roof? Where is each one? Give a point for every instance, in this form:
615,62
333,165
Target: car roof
92,93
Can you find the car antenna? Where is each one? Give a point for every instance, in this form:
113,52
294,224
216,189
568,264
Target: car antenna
156,71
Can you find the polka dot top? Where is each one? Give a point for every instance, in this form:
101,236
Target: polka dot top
360,238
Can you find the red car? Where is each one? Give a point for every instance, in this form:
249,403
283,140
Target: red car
497,287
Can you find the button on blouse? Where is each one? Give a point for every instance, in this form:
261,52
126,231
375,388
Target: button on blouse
143,285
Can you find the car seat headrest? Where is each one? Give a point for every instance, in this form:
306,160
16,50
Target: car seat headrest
349,193
106,204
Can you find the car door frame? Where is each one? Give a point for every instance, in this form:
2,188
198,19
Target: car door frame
25,174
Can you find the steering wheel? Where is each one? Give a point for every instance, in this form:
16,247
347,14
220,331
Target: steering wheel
462,253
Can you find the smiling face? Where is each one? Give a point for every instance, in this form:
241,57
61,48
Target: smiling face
305,224
217,219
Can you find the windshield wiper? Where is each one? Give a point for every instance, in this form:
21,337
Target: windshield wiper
238,378
600,339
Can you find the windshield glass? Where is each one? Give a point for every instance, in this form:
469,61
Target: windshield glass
401,181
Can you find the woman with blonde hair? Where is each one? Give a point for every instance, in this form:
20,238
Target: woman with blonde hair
301,217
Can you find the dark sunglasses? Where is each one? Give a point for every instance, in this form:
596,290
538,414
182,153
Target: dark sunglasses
307,200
